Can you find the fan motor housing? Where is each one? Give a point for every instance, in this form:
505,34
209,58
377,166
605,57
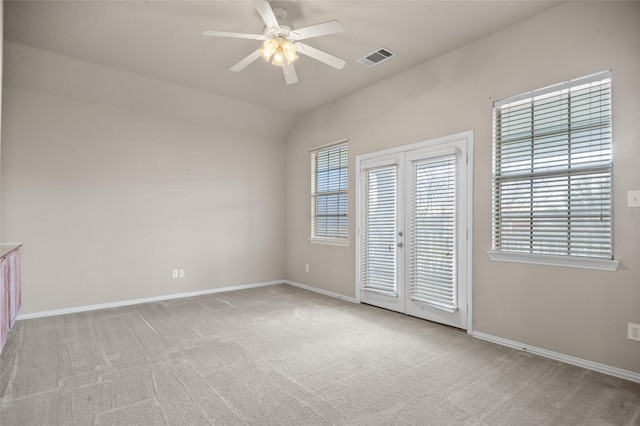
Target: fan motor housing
284,32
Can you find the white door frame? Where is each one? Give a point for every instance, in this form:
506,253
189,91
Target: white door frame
467,138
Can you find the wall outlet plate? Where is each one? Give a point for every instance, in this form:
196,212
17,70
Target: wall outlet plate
634,332
174,273
633,198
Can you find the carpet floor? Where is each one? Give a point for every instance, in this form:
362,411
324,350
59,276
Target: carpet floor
280,355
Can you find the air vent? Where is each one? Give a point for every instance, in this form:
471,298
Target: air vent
376,57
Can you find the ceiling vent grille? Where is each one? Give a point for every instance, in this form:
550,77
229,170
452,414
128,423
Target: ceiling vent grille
376,57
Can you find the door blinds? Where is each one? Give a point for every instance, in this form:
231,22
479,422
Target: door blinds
379,230
552,171
432,269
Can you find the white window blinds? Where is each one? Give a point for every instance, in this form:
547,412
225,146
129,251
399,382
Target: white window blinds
432,277
379,230
552,165
329,192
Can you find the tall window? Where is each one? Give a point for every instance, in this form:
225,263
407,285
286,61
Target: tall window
552,167
329,194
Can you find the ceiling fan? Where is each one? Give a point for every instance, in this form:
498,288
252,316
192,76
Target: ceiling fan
281,42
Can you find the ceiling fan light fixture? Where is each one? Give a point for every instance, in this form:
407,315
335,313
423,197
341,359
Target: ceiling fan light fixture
275,50
269,47
278,57
289,52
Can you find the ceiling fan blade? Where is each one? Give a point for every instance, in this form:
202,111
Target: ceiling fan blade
321,56
325,28
246,61
233,35
290,75
266,13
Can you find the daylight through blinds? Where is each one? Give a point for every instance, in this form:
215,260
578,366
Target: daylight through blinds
329,192
379,230
432,276
552,171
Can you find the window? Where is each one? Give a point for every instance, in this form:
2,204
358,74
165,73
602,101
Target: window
329,194
552,177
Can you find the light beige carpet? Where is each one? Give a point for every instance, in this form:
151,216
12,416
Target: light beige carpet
284,356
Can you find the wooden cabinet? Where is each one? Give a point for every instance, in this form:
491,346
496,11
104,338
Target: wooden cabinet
10,291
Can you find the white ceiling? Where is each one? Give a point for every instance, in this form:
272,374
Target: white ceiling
163,40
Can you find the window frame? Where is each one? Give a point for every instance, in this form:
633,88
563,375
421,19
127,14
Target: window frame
324,239
500,253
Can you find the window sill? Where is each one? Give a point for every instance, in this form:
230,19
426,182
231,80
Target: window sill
329,241
566,261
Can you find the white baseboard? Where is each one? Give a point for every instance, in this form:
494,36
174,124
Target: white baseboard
118,304
321,291
595,366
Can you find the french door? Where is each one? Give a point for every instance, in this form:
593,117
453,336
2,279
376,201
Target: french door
413,218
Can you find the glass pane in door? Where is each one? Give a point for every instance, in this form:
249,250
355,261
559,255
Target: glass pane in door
432,273
379,267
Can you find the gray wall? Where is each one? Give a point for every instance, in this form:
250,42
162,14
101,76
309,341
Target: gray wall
109,189
572,311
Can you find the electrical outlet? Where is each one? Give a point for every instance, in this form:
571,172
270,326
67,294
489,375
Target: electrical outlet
634,332
633,198
306,267
181,273
174,273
